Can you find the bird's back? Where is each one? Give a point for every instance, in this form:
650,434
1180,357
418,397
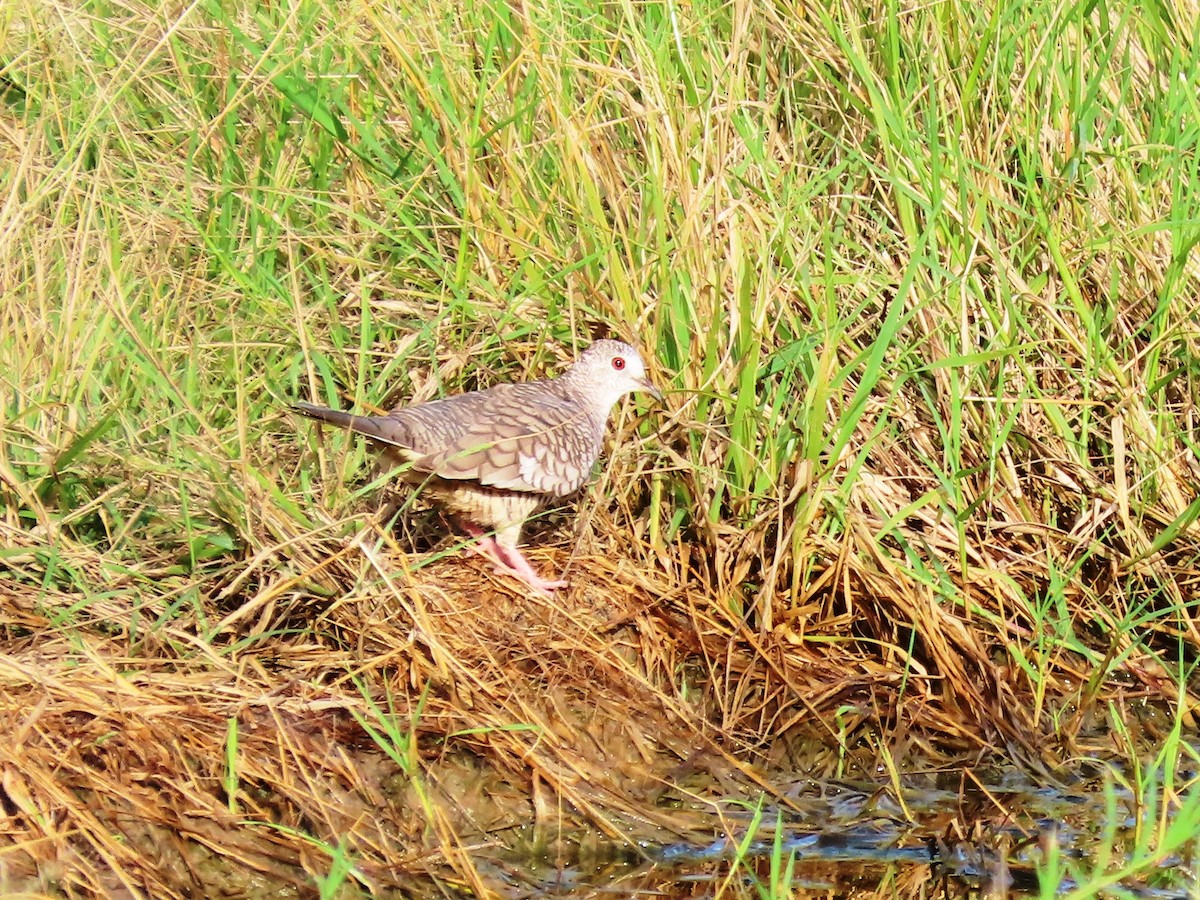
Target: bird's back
531,437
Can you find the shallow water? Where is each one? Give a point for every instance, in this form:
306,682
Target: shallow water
842,837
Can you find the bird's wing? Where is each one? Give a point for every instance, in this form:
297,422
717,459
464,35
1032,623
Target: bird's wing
547,448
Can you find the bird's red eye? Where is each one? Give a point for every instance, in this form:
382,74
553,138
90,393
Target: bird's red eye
618,363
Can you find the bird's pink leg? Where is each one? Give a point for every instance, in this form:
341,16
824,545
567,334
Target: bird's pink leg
509,560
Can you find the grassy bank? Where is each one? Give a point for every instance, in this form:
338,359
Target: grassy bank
918,281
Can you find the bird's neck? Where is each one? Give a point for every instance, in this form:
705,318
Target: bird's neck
598,403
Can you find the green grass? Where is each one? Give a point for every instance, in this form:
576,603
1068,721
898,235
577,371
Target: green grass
919,280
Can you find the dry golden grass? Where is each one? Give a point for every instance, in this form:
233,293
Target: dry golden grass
633,704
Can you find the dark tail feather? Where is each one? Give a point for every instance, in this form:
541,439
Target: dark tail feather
366,425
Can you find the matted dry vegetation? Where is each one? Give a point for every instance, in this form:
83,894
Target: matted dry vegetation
921,500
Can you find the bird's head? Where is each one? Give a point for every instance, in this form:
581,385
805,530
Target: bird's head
608,370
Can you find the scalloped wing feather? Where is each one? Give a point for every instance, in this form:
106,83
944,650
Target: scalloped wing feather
550,450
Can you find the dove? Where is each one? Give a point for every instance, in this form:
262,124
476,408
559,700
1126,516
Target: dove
492,458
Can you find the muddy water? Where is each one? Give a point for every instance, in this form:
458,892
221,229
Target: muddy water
843,838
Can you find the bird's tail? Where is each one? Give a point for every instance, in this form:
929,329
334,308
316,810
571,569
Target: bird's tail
366,425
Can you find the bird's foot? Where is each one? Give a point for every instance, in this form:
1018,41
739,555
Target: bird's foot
510,561
517,565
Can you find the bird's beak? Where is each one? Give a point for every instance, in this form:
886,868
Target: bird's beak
649,387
